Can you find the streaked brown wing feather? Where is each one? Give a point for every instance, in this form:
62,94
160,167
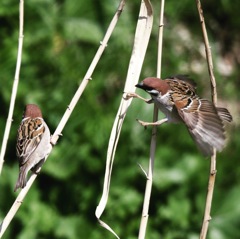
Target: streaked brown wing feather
183,87
182,92
29,136
205,126
203,146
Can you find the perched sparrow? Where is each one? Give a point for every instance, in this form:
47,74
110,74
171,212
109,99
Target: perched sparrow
33,143
177,99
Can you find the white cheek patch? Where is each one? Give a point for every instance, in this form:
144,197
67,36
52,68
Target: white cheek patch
153,92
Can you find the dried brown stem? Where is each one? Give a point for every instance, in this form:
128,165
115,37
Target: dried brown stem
212,174
141,39
148,189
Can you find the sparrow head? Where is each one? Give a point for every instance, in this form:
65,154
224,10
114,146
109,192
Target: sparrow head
32,111
154,86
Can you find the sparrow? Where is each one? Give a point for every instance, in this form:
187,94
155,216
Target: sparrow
176,97
33,143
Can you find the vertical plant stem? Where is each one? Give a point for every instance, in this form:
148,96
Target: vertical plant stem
209,198
141,39
148,189
160,40
212,174
15,85
208,53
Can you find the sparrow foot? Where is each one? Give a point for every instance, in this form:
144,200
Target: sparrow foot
145,124
54,139
36,169
37,172
53,143
130,95
134,95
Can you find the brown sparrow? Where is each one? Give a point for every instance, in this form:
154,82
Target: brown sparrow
177,99
33,143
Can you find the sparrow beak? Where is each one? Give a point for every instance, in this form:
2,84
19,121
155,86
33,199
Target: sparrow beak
140,85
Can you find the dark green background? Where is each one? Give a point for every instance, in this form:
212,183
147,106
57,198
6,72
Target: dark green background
60,40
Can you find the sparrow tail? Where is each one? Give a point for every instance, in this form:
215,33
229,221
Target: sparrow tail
22,178
224,114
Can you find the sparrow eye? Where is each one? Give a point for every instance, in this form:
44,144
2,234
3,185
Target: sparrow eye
153,92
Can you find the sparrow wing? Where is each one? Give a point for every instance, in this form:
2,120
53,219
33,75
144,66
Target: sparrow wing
204,124
30,133
203,120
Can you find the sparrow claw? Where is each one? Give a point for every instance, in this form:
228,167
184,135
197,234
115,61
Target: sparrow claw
157,123
134,95
36,169
53,143
144,124
37,173
54,139
130,95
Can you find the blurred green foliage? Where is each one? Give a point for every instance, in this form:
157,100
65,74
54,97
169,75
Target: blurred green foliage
60,40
